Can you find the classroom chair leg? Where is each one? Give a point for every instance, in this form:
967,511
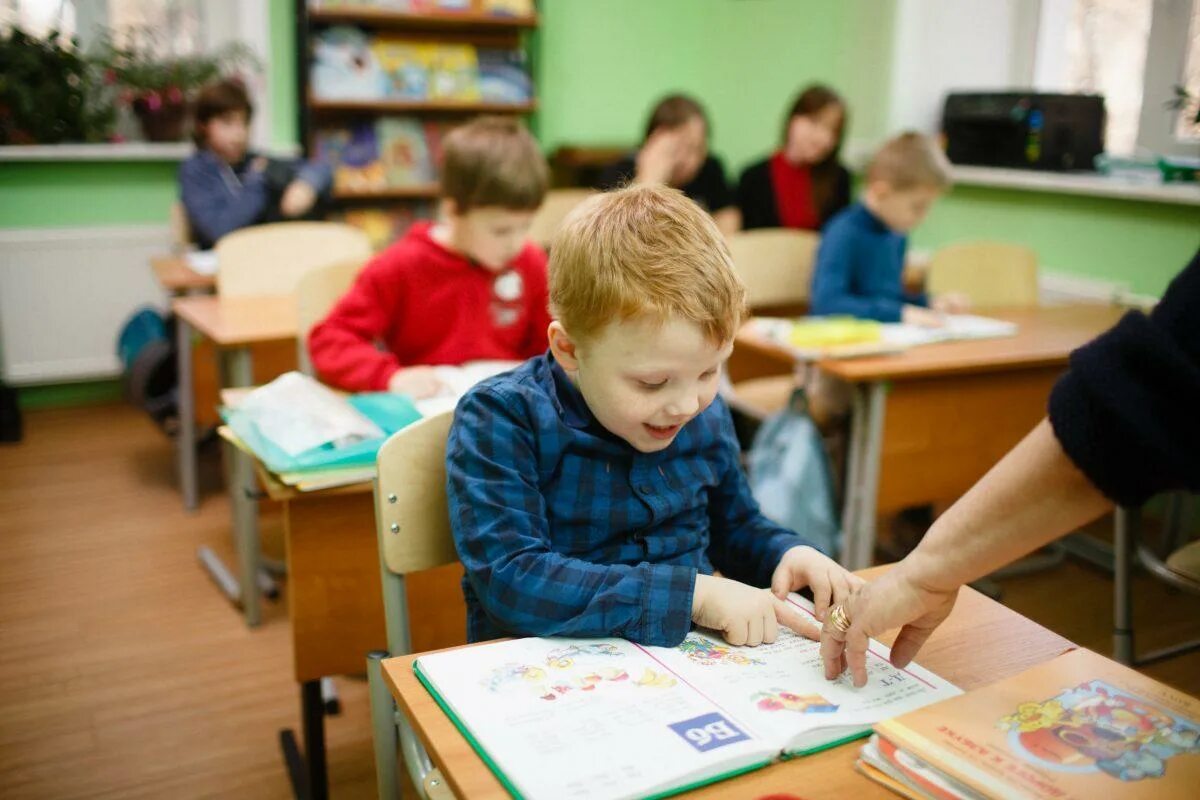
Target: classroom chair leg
383,729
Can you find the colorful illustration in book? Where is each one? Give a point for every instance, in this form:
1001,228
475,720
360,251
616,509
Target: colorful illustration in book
404,66
344,66
403,151
353,153
705,652
573,668
1095,727
781,700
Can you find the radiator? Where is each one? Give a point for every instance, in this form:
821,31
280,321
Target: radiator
64,294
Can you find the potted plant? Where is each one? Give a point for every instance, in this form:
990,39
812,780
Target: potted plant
159,88
50,92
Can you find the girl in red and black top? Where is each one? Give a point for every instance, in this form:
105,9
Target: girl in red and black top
803,184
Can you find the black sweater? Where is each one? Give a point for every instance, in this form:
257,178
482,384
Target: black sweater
1127,412
756,197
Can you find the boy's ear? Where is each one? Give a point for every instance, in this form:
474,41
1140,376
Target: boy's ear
563,347
447,208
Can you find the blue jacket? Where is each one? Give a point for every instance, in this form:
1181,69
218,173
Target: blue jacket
220,198
859,269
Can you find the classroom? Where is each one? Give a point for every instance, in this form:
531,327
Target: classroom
599,399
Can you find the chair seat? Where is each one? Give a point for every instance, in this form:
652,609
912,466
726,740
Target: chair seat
765,396
1186,563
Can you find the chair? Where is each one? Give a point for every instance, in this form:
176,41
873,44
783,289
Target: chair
269,259
413,527
776,266
989,273
555,207
181,228
316,293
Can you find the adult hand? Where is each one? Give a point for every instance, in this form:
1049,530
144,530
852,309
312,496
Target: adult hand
896,599
657,159
297,199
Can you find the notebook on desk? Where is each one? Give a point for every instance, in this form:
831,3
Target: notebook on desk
815,338
607,718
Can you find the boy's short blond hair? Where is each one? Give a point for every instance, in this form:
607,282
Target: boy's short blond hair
493,161
643,251
909,161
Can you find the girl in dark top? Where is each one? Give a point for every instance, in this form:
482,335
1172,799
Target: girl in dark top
1122,426
803,184
675,152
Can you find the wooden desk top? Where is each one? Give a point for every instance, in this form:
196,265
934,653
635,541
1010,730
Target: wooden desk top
981,642
176,276
1046,337
239,321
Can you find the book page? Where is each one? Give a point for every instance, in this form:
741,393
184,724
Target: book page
298,414
571,719
457,381
780,690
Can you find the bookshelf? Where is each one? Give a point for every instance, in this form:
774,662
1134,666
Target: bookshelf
363,47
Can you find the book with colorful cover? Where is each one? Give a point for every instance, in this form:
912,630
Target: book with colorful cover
404,152
404,66
453,73
384,226
1078,727
344,66
353,153
607,718
504,76
508,8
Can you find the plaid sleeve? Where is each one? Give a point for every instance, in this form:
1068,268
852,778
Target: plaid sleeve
498,518
745,545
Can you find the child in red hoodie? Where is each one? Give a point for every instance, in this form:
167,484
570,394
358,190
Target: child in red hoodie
470,287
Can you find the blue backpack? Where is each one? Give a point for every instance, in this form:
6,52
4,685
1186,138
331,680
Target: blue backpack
146,347
791,479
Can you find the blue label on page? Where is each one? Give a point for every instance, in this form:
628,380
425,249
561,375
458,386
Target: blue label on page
708,732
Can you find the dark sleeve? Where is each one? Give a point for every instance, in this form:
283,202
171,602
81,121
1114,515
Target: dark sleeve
616,175
212,209
840,197
756,198
1127,412
710,188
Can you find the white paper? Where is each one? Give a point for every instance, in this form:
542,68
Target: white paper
298,414
202,261
458,380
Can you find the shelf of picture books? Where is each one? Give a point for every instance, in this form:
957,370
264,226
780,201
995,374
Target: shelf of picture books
383,157
427,14
353,69
384,225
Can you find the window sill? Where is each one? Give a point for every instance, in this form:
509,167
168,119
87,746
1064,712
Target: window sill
124,151
1079,183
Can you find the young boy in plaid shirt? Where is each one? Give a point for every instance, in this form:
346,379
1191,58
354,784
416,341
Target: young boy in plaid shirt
594,489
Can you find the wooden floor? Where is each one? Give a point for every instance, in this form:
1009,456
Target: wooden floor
124,674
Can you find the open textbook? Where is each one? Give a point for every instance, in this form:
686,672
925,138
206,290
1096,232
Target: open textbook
846,337
606,718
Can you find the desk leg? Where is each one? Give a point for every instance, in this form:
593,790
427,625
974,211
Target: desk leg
1125,535
306,770
862,480
186,439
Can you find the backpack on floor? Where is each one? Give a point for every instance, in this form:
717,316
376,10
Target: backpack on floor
790,476
146,348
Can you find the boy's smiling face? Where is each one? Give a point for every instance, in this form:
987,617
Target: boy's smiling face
641,378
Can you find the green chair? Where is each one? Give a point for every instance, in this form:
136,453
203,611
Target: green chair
413,527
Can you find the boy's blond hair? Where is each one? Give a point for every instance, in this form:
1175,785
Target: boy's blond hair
643,251
493,161
909,161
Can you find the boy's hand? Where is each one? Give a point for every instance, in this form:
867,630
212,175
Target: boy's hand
744,615
923,317
297,199
657,158
951,303
416,382
803,566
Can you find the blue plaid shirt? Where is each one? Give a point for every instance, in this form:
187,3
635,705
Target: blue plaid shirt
566,530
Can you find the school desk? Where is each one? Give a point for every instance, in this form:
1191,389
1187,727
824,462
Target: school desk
926,424
335,605
980,643
174,275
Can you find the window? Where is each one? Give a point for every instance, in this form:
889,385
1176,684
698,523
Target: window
1186,128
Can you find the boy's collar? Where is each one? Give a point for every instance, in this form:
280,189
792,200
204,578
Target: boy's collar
567,398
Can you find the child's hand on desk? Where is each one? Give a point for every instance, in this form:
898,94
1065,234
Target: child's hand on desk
951,303
744,615
923,317
416,382
297,199
803,566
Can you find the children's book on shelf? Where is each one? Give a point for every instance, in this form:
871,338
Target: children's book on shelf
384,226
344,66
607,718
404,66
453,73
1078,727
504,76
404,152
354,154
508,8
